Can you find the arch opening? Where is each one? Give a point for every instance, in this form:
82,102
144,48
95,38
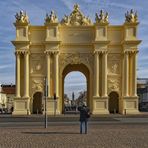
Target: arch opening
113,102
75,87
37,103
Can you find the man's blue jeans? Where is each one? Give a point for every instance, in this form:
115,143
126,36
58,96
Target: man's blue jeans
83,126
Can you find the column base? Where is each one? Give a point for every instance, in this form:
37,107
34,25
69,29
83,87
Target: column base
130,105
52,108
100,105
21,106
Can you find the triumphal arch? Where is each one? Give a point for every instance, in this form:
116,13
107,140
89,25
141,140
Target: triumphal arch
104,53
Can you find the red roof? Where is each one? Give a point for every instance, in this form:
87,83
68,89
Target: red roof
8,89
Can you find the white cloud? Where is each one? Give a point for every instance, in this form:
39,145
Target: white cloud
143,73
6,66
69,4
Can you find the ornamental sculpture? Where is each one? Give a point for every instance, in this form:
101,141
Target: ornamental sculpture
51,18
21,17
76,18
102,17
131,17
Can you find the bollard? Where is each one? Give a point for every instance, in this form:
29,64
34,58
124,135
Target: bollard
37,111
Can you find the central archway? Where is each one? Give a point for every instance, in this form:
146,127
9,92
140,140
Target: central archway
79,68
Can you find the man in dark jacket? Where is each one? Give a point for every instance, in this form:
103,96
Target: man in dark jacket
84,115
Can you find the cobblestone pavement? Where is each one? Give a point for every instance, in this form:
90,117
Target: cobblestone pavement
67,136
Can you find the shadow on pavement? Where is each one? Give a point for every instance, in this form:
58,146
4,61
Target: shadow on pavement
44,133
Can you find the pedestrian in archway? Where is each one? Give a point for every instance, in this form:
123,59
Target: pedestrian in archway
84,115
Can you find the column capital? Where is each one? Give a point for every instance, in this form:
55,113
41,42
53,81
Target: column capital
126,52
17,52
130,51
100,52
50,52
26,52
97,52
56,52
135,52
104,52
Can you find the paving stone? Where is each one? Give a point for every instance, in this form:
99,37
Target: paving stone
99,136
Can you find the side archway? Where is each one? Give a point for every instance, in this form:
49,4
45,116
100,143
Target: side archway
37,103
113,102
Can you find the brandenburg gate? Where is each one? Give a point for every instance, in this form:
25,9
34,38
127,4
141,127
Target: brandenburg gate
105,54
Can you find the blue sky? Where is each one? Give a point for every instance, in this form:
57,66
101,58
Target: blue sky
37,9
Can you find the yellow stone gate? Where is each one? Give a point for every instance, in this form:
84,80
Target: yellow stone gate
105,54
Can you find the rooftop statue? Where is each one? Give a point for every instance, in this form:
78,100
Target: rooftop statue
76,18
102,18
22,17
51,18
131,17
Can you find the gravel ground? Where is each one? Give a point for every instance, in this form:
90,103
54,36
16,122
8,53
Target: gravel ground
67,136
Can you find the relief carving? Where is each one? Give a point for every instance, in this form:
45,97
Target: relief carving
75,58
37,64
114,62
113,84
37,85
113,67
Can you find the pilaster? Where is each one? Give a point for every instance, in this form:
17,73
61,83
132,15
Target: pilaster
134,69
26,74
17,74
96,74
48,71
126,74
56,72
104,73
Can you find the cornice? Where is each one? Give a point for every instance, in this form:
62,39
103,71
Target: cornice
76,44
127,42
51,24
131,24
18,24
20,42
101,42
101,24
52,42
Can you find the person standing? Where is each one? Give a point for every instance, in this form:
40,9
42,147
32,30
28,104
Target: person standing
84,115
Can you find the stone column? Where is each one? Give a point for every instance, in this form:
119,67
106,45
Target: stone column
134,68
96,74
104,74
17,74
126,73
26,74
56,73
48,72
